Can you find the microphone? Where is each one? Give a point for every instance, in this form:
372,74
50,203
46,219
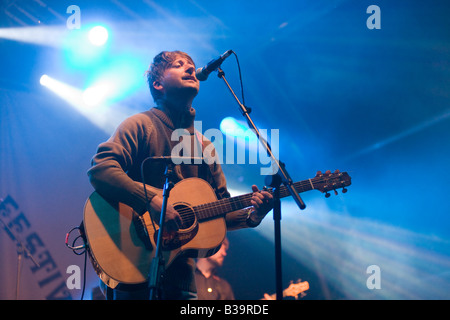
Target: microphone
203,73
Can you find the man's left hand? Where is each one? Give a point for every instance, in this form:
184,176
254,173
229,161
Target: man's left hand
262,201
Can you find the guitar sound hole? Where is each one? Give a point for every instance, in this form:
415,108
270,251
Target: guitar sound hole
187,215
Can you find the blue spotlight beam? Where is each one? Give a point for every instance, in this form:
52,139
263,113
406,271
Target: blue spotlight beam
341,247
105,117
401,135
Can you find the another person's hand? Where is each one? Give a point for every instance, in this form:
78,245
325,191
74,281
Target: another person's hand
267,297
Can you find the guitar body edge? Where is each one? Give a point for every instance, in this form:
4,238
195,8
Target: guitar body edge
116,247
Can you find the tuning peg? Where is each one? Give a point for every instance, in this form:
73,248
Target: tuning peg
344,190
327,195
335,192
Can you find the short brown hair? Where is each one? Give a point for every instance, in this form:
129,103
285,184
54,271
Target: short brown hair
160,63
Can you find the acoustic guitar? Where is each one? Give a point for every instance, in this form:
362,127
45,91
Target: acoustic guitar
121,244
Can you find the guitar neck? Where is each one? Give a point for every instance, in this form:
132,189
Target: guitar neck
226,205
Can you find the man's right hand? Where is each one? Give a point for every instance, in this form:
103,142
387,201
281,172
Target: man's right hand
173,219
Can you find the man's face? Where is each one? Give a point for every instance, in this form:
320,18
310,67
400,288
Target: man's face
179,79
218,258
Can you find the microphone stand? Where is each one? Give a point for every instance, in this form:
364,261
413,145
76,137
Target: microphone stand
157,265
280,177
156,271
21,248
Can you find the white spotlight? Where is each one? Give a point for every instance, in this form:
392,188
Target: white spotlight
94,96
83,101
98,35
44,80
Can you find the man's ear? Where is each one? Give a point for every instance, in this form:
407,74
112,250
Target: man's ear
157,85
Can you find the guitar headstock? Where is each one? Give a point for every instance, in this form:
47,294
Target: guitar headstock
331,181
295,289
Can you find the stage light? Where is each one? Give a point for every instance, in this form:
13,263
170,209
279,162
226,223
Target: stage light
228,124
105,117
239,130
243,146
87,47
44,80
65,91
231,126
98,35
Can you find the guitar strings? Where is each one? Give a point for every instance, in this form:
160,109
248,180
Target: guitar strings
227,203
207,210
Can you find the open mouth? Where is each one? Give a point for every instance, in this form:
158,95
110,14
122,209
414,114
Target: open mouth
190,78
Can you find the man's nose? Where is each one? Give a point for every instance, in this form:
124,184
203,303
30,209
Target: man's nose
190,70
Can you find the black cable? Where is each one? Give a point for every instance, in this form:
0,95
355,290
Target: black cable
240,77
84,275
76,250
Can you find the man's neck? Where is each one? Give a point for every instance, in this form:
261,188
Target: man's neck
205,268
176,104
178,113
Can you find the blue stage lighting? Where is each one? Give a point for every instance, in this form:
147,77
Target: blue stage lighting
119,78
44,80
230,125
238,129
98,35
96,95
90,102
86,47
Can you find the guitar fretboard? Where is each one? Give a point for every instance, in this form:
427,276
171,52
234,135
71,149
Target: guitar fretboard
322,182
226,205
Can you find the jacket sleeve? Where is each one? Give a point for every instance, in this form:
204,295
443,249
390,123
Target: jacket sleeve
114,158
